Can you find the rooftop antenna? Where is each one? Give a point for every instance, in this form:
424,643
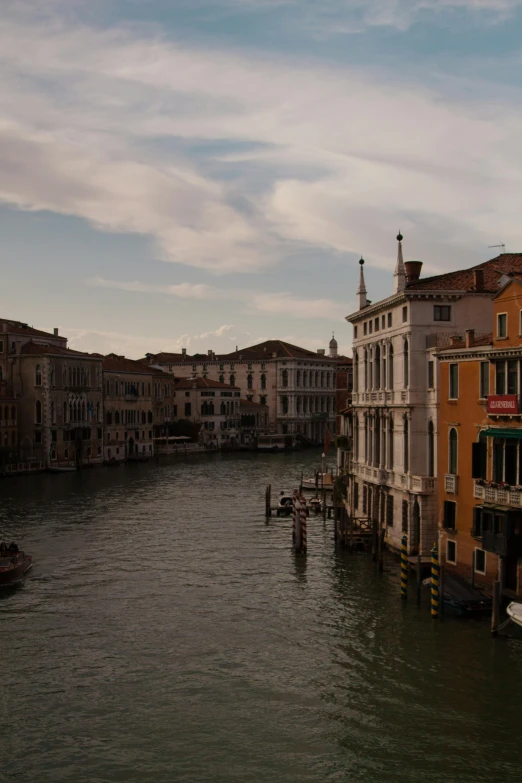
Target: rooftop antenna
502,245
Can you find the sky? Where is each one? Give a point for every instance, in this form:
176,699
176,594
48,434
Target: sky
207,173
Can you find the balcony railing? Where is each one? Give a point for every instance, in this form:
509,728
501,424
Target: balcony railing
451,484
501,496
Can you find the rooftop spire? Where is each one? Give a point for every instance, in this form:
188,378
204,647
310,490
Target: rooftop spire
361,291
400,272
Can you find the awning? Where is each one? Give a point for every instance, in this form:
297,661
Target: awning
515,434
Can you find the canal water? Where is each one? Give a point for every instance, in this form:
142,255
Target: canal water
168,635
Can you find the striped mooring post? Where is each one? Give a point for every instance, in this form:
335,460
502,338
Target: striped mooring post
435,581
404,567
299,523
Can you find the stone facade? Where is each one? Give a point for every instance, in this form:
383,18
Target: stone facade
212,404
297,385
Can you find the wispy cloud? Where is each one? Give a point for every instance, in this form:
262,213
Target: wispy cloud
183,290
93,121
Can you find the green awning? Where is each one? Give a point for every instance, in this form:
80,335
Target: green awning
516,434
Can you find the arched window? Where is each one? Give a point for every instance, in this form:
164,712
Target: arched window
38,412
298,405
390,368
284,379
384,378
143,417
149,417
298,378
97,411
355,371
64,377
263,381
109,418
406,364
6,413
316,379
406,445
117,417
377,367
431,449
322,380
222,379
13,439
65,413
284,404
453,452
13,413
250,381
232,380
305,378
53,416
223,409
390,444
37,375
370,369
365,370
51,375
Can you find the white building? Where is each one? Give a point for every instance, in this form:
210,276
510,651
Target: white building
296,384
394,419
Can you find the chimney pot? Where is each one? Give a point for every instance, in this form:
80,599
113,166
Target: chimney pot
321,351
478,279
56,331
413,271
470,337
183,351
209,352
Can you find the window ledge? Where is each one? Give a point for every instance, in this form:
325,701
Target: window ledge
452,530
501,338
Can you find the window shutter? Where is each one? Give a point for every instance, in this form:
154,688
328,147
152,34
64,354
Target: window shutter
478,460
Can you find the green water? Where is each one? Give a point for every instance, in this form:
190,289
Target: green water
168,634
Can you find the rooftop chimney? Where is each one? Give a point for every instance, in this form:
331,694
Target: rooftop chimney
183,351
413,271
321,351
55,331
470,337
478,279
455,339
209,352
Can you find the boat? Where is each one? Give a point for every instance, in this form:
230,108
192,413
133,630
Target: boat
314,505
321,481
14,564
276,443
462,598
284,505
61,469
514,610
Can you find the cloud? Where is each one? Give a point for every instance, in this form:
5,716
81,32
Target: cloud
278,303
182,290
101,124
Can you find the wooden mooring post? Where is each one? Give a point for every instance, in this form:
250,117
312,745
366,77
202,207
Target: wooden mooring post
268,501
380,549
495,608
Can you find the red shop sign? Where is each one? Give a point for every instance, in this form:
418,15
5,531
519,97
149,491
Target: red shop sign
503,403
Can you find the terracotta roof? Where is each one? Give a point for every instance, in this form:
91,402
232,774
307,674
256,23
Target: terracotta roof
114,363
30,349
18,327
460,342
202,383
268,348
261,351
252,404
463,279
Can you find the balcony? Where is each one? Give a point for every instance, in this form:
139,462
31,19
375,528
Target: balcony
132,397
422,484
451,484
498,496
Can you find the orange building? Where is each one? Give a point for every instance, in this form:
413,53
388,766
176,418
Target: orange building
480,447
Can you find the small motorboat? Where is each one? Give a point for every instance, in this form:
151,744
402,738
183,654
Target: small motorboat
315,505
321,481
14,564
284,505
514,610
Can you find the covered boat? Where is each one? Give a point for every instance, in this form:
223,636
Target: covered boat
14,565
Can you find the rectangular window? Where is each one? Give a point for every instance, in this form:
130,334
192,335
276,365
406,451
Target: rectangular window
376,324
365,328
498,459
370,326
480,561
500,377
510,470
383,322
484,380
441,312
356,495
389,320
404,314
1,346
389,510
476,530
454,381
451,552
364,499
450,514
502,325
188,409
431,378
512,377
355,333
53,436
38,437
